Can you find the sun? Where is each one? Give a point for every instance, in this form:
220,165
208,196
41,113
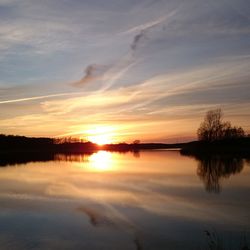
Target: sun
101,135
100,139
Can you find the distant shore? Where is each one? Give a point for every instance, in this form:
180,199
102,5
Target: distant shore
21,144
21,150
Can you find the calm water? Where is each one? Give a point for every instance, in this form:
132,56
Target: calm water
148,200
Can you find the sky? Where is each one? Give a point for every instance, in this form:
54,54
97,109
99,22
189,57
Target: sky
122,70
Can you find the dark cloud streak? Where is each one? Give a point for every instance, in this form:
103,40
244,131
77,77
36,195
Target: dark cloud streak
137,39
92,72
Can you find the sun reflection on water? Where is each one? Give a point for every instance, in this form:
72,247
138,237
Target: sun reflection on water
101,161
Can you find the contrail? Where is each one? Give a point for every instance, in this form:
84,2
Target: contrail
118,72
37,97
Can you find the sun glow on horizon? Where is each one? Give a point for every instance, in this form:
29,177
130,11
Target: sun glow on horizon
101,135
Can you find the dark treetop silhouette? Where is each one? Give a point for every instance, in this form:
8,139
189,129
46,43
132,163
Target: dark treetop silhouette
213,128
217,136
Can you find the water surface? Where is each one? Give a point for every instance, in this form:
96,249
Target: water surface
147,200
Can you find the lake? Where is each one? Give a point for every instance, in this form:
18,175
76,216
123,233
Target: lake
142,200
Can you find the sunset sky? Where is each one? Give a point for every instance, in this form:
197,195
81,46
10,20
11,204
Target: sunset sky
120,70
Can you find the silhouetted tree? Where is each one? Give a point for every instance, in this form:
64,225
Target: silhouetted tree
233,132
136,142
213,128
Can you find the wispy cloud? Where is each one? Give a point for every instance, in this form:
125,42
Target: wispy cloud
36,98
148,25
143,29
